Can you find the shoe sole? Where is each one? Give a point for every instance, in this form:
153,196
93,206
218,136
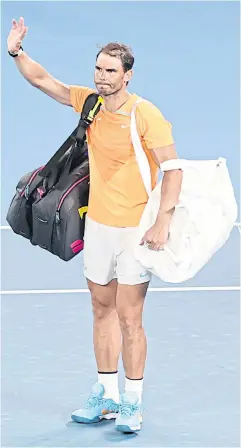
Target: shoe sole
97,419
126,429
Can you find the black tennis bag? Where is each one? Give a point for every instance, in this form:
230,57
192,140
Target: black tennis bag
50,203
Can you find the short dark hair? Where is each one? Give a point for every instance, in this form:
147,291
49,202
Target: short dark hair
121,51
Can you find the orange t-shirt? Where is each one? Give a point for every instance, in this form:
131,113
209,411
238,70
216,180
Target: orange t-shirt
117,193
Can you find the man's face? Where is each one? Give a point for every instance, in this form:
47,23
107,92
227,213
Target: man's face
110,77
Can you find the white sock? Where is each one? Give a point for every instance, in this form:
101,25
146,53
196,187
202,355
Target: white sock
134,386
110,383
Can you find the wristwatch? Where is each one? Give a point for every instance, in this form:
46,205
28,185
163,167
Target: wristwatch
14,55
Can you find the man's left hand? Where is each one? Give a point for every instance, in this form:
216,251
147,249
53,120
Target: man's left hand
156,237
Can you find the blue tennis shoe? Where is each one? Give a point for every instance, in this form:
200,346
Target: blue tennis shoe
96,407
129,419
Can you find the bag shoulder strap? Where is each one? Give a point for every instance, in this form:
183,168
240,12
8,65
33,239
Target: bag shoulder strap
141,157
90,109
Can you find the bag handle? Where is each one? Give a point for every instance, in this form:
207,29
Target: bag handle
178,164
141,157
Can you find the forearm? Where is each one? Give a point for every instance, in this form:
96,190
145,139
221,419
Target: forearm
31,70
38,77
170,191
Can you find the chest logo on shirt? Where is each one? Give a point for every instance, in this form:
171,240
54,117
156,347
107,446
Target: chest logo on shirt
123,126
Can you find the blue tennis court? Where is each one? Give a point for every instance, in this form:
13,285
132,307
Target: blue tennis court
48,367
192,379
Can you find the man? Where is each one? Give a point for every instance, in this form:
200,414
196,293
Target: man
117,282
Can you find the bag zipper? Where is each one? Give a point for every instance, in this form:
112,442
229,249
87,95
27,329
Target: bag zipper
66,194
26,188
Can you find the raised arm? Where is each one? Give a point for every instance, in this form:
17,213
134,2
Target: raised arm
32,71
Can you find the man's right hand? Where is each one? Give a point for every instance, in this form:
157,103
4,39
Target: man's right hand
32,71
16,35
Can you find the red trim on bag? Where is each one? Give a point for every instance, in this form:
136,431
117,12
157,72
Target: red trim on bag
31,180
76,243
69,190
77,246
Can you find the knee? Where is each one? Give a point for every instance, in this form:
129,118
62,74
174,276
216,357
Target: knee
103,300
130,322
101,307
130,302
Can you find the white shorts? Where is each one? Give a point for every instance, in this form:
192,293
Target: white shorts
108,254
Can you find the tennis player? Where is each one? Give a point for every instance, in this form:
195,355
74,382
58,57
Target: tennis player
117,282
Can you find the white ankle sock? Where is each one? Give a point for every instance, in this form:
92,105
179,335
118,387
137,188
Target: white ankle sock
134,386
110,383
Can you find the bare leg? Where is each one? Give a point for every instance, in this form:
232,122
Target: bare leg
106,329
129,303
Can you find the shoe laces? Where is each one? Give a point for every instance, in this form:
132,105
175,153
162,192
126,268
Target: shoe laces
128,409
93,401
